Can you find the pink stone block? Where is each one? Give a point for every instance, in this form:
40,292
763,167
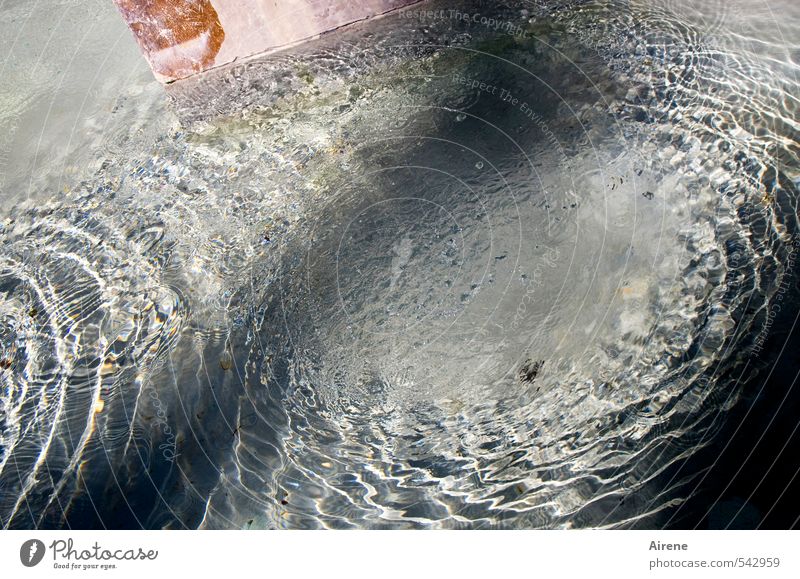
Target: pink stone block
180,38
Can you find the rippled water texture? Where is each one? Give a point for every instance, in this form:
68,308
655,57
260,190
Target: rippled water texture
436,271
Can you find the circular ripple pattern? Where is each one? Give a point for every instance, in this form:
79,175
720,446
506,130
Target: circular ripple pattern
79,320
426,274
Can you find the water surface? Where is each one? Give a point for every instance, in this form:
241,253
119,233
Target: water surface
503,265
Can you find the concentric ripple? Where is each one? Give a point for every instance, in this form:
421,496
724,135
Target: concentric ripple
79,318
432,272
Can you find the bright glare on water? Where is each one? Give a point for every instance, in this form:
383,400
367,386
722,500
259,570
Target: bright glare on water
430,272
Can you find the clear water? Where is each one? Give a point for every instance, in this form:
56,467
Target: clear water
353,286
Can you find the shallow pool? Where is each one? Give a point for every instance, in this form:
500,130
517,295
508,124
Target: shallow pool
472,265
